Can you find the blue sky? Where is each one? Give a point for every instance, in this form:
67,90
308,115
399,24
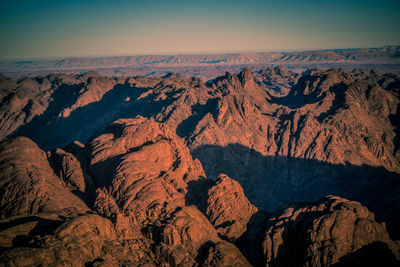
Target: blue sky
59,28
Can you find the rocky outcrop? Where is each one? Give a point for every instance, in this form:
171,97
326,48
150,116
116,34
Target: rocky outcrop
321,233
22,101
68,168
142,164
224,254
68,239
147,189
95,87
227,208
28,183
183,235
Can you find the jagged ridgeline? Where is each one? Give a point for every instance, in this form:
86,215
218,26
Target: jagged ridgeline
151,170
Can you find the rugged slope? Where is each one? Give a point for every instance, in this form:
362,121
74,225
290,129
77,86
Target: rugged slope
282,137
140,183
227,208
142,172
28,184
330,232
350,119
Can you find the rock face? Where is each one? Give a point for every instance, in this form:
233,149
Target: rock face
69,169
147,188
321,233
224,254
67,239
22,101
142,165
28,184
227,208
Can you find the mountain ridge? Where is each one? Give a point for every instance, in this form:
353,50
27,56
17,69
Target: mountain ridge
207,66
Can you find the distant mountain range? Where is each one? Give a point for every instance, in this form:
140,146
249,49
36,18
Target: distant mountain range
206,67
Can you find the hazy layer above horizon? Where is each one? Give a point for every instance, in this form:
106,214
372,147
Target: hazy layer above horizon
45,29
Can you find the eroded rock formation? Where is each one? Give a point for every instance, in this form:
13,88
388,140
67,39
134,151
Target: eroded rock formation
321,233
28,183
142,171
329,232
279,137
227,208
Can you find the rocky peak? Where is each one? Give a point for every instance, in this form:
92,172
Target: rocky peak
246,77
88,75
281,71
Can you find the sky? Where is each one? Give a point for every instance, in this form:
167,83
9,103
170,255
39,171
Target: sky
32,29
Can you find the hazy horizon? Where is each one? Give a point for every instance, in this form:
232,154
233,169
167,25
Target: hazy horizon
188,54
61,29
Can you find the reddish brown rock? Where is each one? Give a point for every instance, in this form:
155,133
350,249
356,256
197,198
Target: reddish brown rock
148,190
143,165
68,168
95,88
228,209
21,102
224,254
139,197
182,235
68,239
334,132
321,233
28,183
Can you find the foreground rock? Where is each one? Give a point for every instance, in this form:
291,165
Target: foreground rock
28,183
227,208
330,231
67,166
67,239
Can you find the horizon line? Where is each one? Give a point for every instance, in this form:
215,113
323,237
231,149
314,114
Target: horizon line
195,53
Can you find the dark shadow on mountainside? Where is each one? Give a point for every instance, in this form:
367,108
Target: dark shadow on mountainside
272,181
